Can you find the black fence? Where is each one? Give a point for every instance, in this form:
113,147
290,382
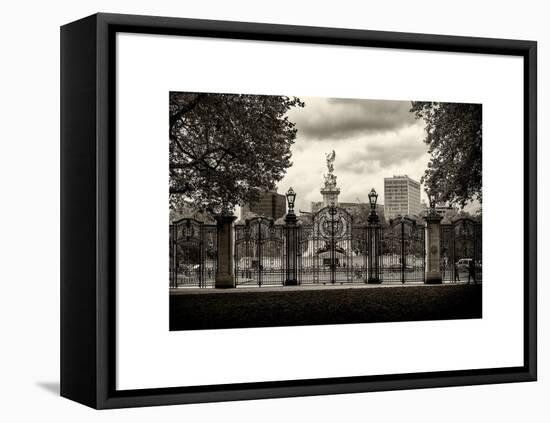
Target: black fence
331,249
259,253
193,254
461,251
403,251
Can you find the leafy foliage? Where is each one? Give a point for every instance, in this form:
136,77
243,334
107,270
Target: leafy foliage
226,149
453,134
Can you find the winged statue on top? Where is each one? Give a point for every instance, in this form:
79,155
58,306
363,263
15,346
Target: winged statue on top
330,178
330,161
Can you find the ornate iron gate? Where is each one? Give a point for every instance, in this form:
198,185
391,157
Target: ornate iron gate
461,250
193,253
331,249
403,251
259,253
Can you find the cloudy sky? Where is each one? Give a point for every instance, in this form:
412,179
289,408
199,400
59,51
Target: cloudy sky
372,139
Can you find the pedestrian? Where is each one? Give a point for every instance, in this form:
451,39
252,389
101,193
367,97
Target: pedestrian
457,275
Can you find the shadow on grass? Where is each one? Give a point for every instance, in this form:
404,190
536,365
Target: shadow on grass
235,309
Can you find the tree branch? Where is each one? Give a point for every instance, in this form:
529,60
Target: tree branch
185,109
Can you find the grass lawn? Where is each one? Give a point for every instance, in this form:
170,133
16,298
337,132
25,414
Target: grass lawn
212,309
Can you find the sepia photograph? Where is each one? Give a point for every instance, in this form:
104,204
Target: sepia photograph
260,211
297,210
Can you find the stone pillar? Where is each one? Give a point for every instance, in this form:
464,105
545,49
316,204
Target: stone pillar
433,270
291,249
224,274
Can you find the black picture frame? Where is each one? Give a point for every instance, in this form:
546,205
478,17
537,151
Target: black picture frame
88,198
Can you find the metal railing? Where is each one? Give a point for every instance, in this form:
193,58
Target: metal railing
329,250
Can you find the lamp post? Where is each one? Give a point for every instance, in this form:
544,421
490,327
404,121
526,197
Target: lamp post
431,198
373,240
290,198
373,198
291,232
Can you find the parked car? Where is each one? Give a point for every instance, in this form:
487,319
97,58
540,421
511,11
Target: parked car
463,265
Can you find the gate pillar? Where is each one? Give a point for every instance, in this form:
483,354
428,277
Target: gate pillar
433,269
291,259
224,274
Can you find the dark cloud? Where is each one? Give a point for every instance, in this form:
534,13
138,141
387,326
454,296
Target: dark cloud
372,139
379,156
327,119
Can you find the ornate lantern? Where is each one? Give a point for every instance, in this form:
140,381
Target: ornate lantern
373,197
290,198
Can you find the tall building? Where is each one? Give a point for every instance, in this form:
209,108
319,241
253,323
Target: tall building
271,204
401,196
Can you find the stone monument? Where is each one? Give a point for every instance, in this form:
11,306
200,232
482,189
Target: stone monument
330,190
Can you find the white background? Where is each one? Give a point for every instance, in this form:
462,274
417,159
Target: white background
322,351
29,171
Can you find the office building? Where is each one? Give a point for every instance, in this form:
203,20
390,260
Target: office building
401,196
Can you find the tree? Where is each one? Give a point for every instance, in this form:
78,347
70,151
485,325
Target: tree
361,212
226,149
453,134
